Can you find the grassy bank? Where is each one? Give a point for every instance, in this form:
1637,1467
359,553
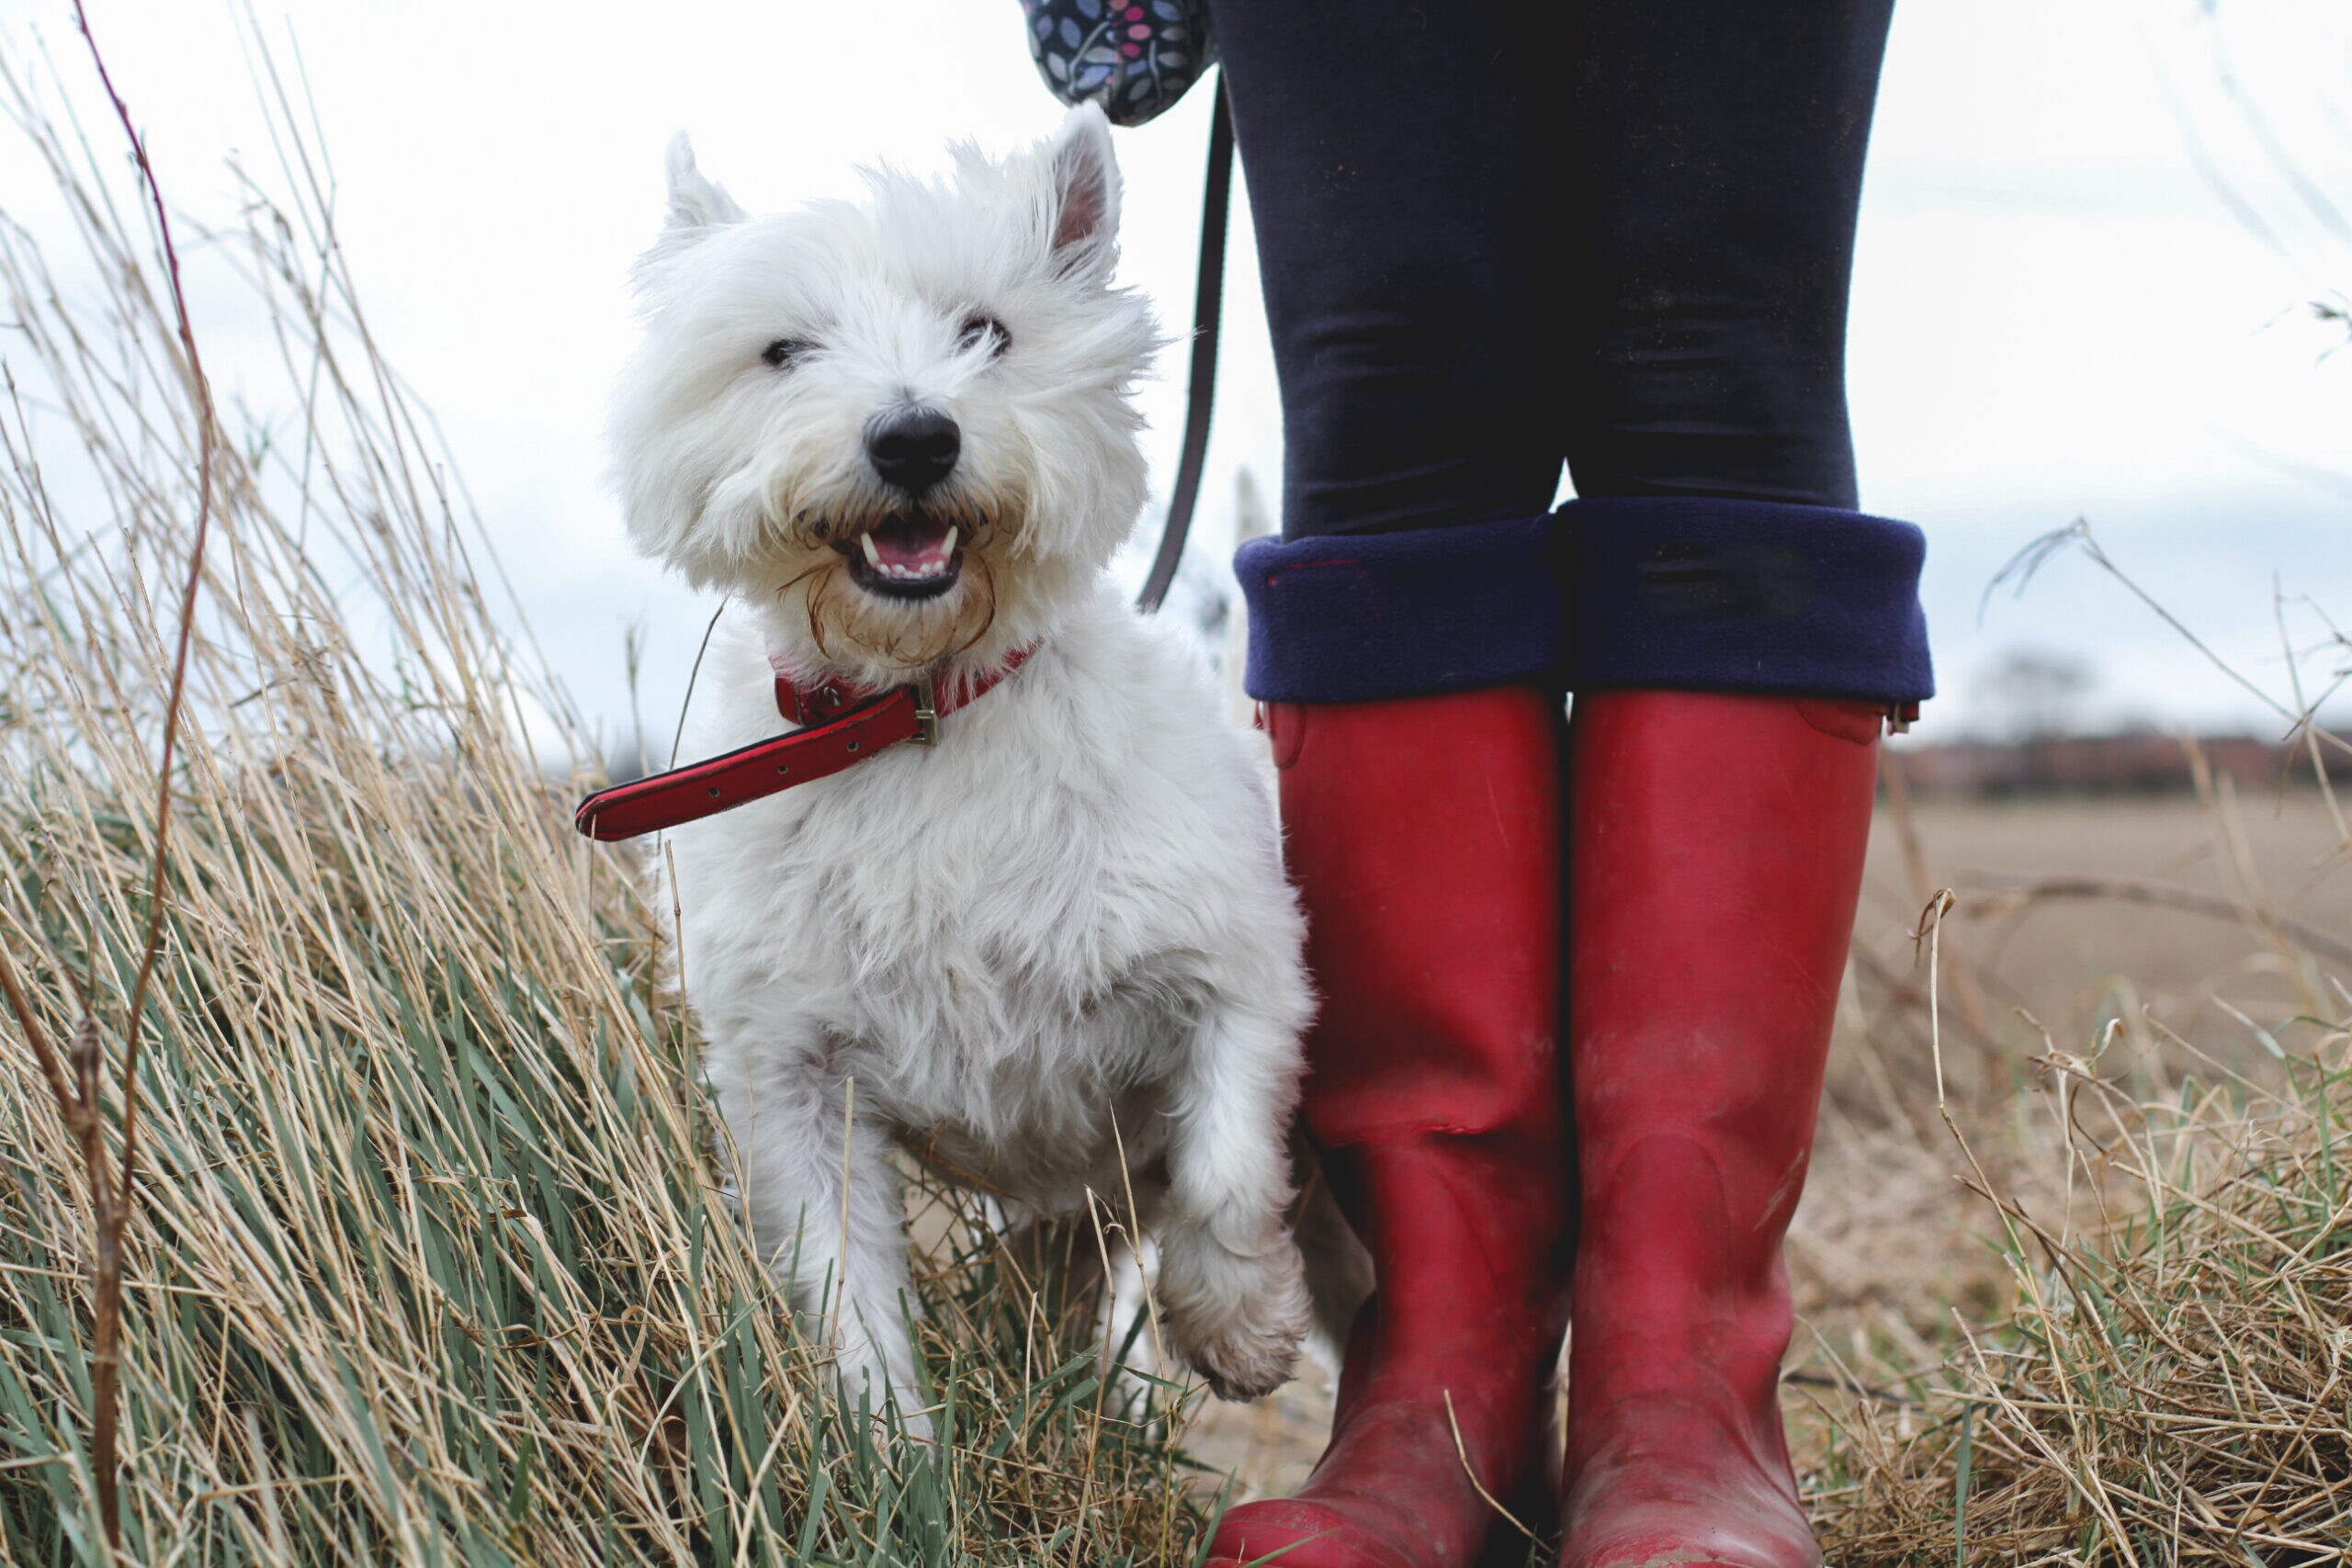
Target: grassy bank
426,1260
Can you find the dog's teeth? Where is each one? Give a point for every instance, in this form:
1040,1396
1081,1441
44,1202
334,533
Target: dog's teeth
950,549
872,556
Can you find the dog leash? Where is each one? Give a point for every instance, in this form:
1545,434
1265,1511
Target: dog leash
840,729
1209,312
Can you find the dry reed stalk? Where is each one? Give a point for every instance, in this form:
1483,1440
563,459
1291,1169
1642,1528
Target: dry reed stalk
112,1187
2008,891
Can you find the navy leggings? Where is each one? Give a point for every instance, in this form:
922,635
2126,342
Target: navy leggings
1498,234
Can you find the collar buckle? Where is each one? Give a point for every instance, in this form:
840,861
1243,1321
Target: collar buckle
926,712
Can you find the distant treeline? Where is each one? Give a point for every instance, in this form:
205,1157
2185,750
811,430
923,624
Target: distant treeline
2143,762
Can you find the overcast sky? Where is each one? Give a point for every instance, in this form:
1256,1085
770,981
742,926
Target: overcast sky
2083,286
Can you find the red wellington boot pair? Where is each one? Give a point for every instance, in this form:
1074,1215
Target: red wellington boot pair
1713,852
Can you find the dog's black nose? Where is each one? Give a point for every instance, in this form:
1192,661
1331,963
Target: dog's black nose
915,449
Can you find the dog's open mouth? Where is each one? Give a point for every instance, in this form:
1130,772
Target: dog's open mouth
906,556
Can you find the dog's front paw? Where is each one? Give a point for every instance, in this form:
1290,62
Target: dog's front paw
1238,1316
1247,1363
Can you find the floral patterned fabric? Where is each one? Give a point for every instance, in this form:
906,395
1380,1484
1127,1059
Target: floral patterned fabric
1133,57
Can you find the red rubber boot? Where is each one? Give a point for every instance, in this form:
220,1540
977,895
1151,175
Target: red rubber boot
1716,852
1423,835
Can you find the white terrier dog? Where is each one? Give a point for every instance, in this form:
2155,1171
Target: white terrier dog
898,436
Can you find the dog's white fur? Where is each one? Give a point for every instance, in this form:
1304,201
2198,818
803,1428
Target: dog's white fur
1064,930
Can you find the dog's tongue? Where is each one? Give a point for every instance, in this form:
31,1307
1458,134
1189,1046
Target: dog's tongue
913,544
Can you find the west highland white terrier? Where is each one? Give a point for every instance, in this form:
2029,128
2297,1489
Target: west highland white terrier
898,436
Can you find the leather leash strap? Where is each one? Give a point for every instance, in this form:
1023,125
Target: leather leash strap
1208,309
844,729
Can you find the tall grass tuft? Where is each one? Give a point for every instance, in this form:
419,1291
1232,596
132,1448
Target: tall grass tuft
2174,1385
426,1261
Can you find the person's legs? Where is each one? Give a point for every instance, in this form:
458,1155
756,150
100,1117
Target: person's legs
1723,588
1404,639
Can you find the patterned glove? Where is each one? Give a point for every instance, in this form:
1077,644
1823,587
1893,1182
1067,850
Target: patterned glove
1133,57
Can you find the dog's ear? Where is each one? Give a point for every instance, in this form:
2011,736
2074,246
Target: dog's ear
696,202
1085,177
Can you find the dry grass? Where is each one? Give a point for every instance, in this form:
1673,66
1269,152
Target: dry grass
2170,1386
2130,1346
426,1263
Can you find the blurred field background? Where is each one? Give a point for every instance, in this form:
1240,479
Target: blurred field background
429,1260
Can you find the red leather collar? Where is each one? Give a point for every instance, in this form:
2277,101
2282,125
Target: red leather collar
840,727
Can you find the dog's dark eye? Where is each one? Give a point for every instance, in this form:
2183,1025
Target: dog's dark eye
784,350
979,328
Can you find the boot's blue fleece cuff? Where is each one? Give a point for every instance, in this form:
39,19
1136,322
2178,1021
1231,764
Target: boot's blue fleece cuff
1665,592
1356,617
1686,593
